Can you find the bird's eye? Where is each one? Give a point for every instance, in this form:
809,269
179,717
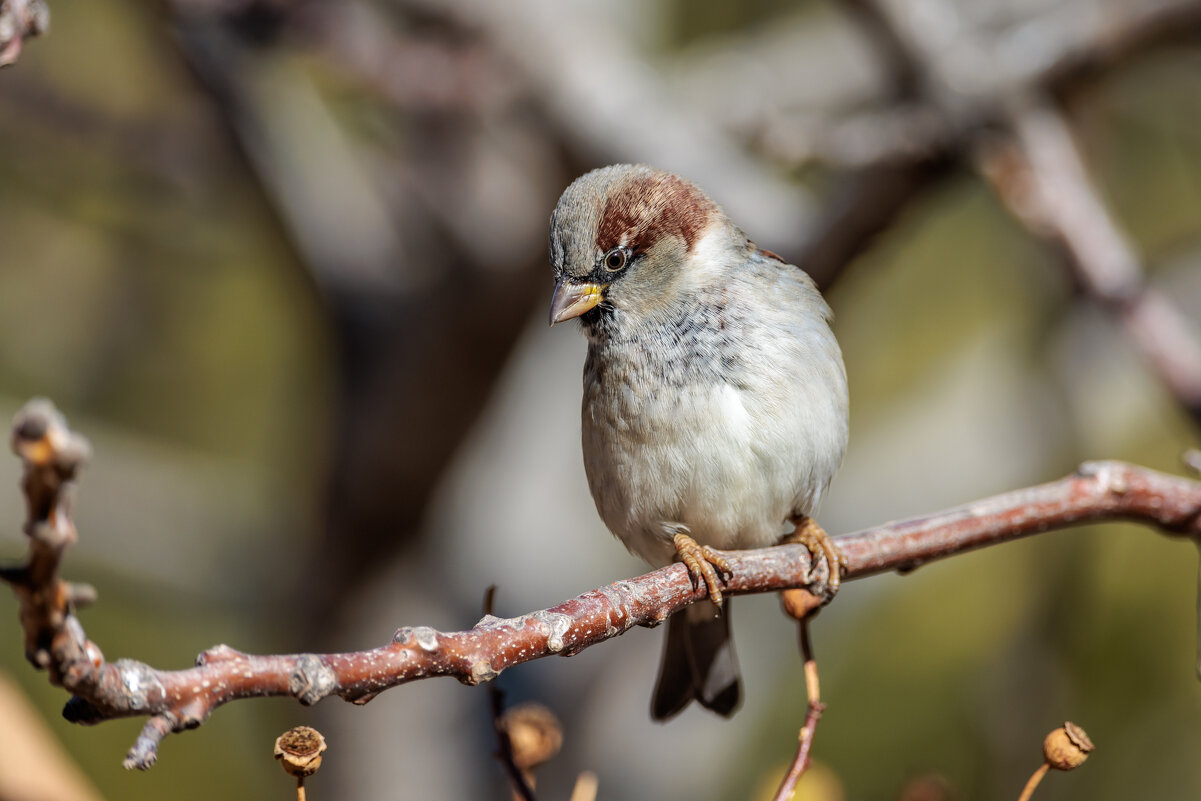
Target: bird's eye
615,259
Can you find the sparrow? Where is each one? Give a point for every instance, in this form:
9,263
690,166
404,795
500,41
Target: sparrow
715,408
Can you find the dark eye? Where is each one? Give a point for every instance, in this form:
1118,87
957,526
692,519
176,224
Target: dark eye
615,259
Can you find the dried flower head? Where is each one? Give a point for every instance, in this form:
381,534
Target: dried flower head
534,734
299,750
799,604
1067,747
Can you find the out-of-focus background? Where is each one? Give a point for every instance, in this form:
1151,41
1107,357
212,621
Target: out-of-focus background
283,262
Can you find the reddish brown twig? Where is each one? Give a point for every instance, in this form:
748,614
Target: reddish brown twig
175,700
813,712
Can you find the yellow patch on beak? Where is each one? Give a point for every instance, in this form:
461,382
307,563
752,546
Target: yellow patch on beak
572,300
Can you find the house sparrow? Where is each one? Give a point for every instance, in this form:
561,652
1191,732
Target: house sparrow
715,397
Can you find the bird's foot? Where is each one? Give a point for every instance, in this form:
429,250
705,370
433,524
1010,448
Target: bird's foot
819,543
704,564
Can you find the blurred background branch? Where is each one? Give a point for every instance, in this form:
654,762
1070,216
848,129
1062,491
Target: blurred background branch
1042,179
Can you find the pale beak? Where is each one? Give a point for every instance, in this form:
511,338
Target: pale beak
572,300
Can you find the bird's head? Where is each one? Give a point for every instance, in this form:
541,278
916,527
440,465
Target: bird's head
627,239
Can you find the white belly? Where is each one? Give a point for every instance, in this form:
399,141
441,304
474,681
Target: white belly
727,463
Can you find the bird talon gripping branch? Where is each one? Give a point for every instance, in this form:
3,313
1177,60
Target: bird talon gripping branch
819,544
701,561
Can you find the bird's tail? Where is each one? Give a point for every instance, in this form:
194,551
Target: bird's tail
698,663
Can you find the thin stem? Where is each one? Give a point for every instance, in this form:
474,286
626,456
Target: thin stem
517,777
814,712
813,690
523,785
1035,778
585,787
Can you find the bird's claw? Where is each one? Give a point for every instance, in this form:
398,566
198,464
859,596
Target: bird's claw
704,564
818,542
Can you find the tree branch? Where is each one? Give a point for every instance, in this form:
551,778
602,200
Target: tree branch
1138,28
1038,171
176,700
1040,176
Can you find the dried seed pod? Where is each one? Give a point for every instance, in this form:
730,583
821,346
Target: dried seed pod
799,604
1067,747
299,751
534,734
